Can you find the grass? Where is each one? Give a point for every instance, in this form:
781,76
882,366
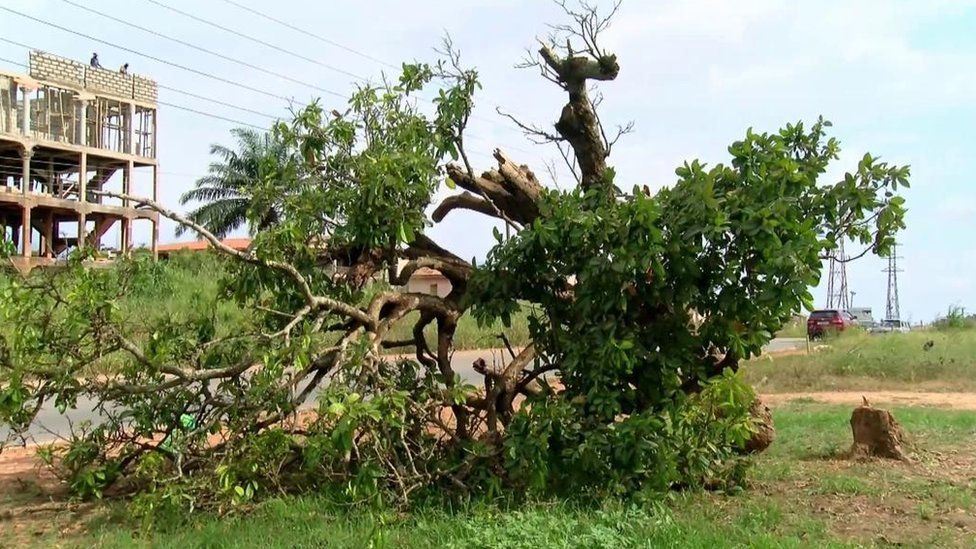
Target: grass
801,495
188,283
796,328
468,334
937,360
191,280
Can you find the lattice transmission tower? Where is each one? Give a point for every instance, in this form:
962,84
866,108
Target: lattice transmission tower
837,295
892,310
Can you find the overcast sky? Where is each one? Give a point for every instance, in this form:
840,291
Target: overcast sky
898,79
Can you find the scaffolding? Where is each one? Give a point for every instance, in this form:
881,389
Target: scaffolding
68,131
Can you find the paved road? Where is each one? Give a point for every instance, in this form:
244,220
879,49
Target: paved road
50,423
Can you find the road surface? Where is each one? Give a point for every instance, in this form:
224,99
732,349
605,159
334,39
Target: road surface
51,424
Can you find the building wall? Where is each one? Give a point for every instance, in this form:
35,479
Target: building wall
44,66
144,89
428,285
56,69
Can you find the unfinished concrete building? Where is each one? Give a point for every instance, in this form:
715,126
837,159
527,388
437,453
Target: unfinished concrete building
68,130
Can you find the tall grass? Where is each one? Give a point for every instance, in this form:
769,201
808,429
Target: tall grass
925,360
795,328
187,282
955,319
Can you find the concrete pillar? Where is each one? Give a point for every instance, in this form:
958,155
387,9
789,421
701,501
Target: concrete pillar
26,238
25,100
82,229
25,156
132,128
50,176
95,237
83,121
49,235
11,114
83,178
122,227
127,182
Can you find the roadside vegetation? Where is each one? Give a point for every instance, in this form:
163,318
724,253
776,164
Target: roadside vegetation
942,358
180,286
795,328
253,400
803,494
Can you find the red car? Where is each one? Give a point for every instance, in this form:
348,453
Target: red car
828,321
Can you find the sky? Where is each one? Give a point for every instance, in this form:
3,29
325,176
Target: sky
897,79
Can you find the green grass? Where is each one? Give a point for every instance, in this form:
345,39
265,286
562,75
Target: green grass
302,523
795,328
188,281
469,335
922,360
801,495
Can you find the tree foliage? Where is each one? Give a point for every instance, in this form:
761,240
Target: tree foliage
226,194
644,306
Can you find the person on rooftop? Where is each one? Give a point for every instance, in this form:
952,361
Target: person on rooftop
94,61
124,69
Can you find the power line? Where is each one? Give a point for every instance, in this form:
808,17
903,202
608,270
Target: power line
195,71
205,50
161,86
216,116
307,33
12,62
322,39
147,56
298,55
219,102
257,40
354,51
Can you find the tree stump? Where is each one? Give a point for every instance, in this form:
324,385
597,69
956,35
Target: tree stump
876,434
765,431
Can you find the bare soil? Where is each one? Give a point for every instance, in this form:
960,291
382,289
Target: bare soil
954,401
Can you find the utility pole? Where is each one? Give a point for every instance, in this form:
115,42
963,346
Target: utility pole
892,309
837,294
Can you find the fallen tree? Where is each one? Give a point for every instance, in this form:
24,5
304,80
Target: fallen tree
643,305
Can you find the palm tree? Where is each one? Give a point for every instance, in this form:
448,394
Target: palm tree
227,193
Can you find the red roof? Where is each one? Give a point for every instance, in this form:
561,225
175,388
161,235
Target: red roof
199,245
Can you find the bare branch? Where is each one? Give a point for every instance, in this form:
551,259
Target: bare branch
533,132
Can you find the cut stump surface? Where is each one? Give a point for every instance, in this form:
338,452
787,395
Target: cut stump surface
876,434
